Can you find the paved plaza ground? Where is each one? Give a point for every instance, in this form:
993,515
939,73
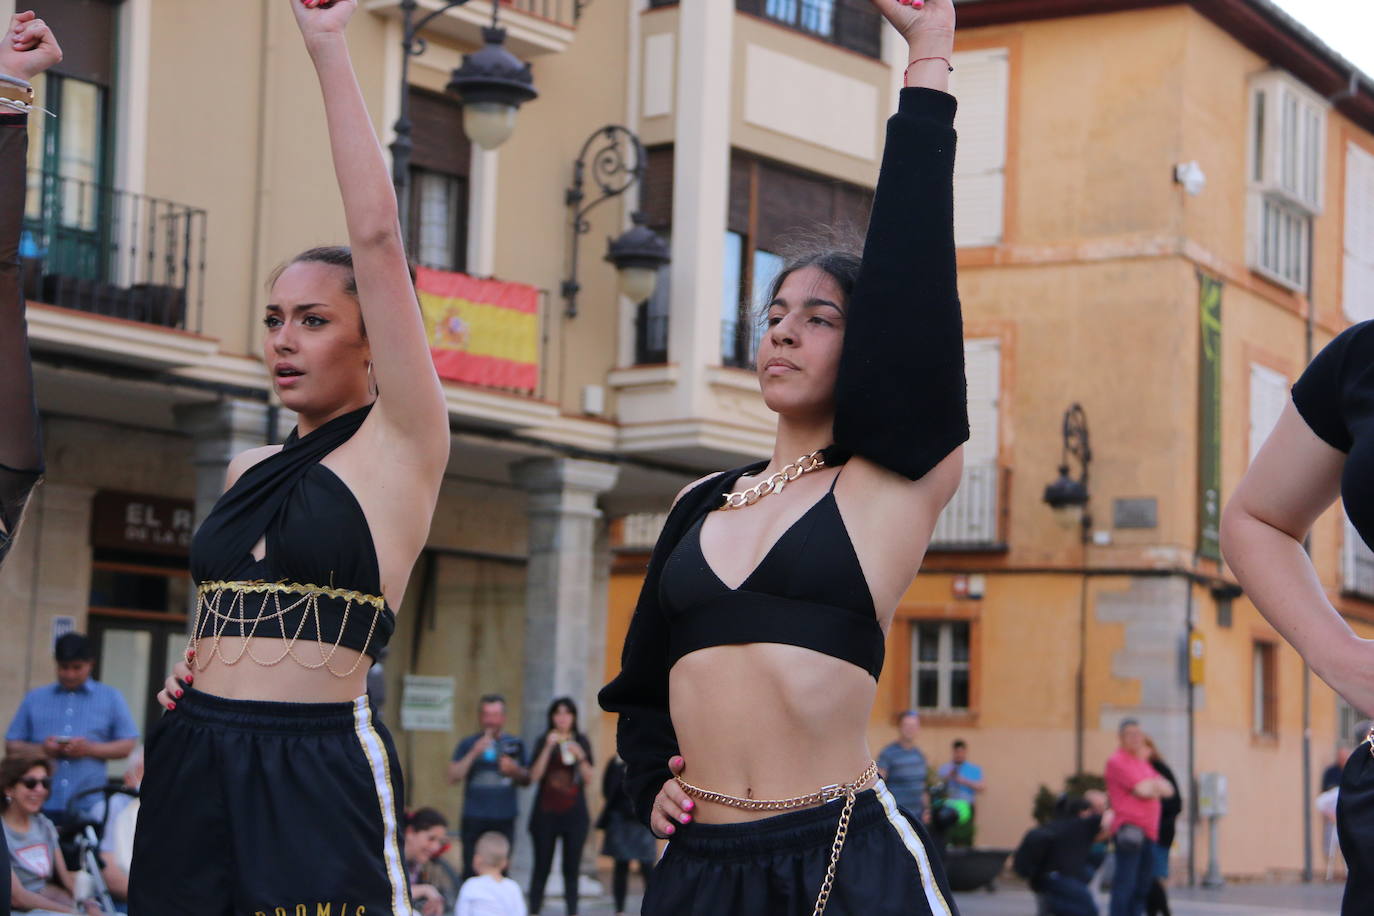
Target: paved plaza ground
1233,900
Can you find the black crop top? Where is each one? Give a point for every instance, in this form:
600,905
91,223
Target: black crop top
809,590
319,579
900,402
1335,396
21,445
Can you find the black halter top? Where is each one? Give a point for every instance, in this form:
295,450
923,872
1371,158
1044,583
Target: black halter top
808,591
319,580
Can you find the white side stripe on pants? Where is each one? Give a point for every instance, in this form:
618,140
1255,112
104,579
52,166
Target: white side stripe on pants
377,760
934,899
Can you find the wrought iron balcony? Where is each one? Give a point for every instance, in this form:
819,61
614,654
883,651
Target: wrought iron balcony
975,517
97,249
561,12
852,24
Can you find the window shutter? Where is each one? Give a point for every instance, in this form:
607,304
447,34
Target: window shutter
979,81
1268,395
1358,286
983,367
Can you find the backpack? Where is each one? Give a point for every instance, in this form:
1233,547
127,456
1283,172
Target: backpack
1028,861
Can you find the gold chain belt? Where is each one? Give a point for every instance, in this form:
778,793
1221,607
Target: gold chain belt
209,607
849,790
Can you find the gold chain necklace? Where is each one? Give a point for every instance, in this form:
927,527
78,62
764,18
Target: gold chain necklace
775,482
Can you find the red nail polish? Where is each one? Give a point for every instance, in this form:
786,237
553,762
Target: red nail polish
179,694
190,678
171,706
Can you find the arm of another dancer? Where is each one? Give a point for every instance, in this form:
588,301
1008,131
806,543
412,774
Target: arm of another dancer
401,359
901,399
1295,477
27,50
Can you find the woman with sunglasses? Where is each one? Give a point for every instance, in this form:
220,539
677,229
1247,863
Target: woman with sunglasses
39,882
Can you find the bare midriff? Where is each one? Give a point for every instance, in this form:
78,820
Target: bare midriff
768,721
291,680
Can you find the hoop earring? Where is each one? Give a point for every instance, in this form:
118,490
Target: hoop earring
371,380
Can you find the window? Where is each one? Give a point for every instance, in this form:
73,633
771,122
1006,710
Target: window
1358,286
980,80
1287,127
1357,563
1264,689
769,204
436,230
851,24
972,518
1268,395
940,666
1351,726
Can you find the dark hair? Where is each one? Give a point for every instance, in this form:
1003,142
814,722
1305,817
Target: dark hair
425,818
1075,806
488,698
13,768
835,250
72,647
563,703
959,742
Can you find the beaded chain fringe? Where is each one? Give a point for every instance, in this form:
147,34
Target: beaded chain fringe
210,598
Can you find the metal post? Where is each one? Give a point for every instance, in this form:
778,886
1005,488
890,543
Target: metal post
1213,877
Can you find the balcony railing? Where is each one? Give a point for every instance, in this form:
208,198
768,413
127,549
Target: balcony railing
974,518
97,249
852,24
561,12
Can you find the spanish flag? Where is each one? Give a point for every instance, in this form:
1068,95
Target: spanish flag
482,332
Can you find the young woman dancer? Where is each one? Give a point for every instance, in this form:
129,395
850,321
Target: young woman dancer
562,770
26,51
298,566
755,650
1321,448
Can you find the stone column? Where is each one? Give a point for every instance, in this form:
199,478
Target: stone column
562,613
221,430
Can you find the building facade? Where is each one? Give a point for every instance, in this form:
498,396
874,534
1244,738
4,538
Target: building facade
189,157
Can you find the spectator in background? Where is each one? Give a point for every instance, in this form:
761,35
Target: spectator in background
963,781
426,836
493,764
626,839
77,722
489,892
40,881
117,844
903,767
563,768
1079,823
1157,899
1135,791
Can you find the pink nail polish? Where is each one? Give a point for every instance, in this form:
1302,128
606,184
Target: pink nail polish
688,805
686,818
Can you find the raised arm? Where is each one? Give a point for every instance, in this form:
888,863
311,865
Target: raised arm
901,399
411,399
26,51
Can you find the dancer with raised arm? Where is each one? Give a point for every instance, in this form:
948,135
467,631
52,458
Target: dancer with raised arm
1322,447
269,787
751,664
26,51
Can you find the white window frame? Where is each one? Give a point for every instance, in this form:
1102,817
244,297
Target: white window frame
1357,561
1268,396
1357,287
1287,141
1262,656
981,160
973,514
944,666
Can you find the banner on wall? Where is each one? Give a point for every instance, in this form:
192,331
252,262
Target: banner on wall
1209,418
481,332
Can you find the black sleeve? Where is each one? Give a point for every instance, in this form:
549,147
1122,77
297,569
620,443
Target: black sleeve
644,733
901,399
21,447
1319,394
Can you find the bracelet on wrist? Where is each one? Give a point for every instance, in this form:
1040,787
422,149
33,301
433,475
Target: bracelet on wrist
907,72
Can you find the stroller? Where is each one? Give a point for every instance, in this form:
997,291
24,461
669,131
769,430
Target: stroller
80,840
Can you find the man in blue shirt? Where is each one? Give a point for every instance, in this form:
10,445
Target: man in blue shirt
903,766
492,764
78,723
963,780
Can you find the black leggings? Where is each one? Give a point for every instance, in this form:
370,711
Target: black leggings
620,880
546,830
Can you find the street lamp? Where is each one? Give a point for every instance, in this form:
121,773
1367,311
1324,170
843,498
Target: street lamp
491,83
637,253
1067,496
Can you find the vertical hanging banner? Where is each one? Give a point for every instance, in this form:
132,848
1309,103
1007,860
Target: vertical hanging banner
1209,418
481,332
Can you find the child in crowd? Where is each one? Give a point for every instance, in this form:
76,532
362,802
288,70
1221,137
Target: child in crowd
489,893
